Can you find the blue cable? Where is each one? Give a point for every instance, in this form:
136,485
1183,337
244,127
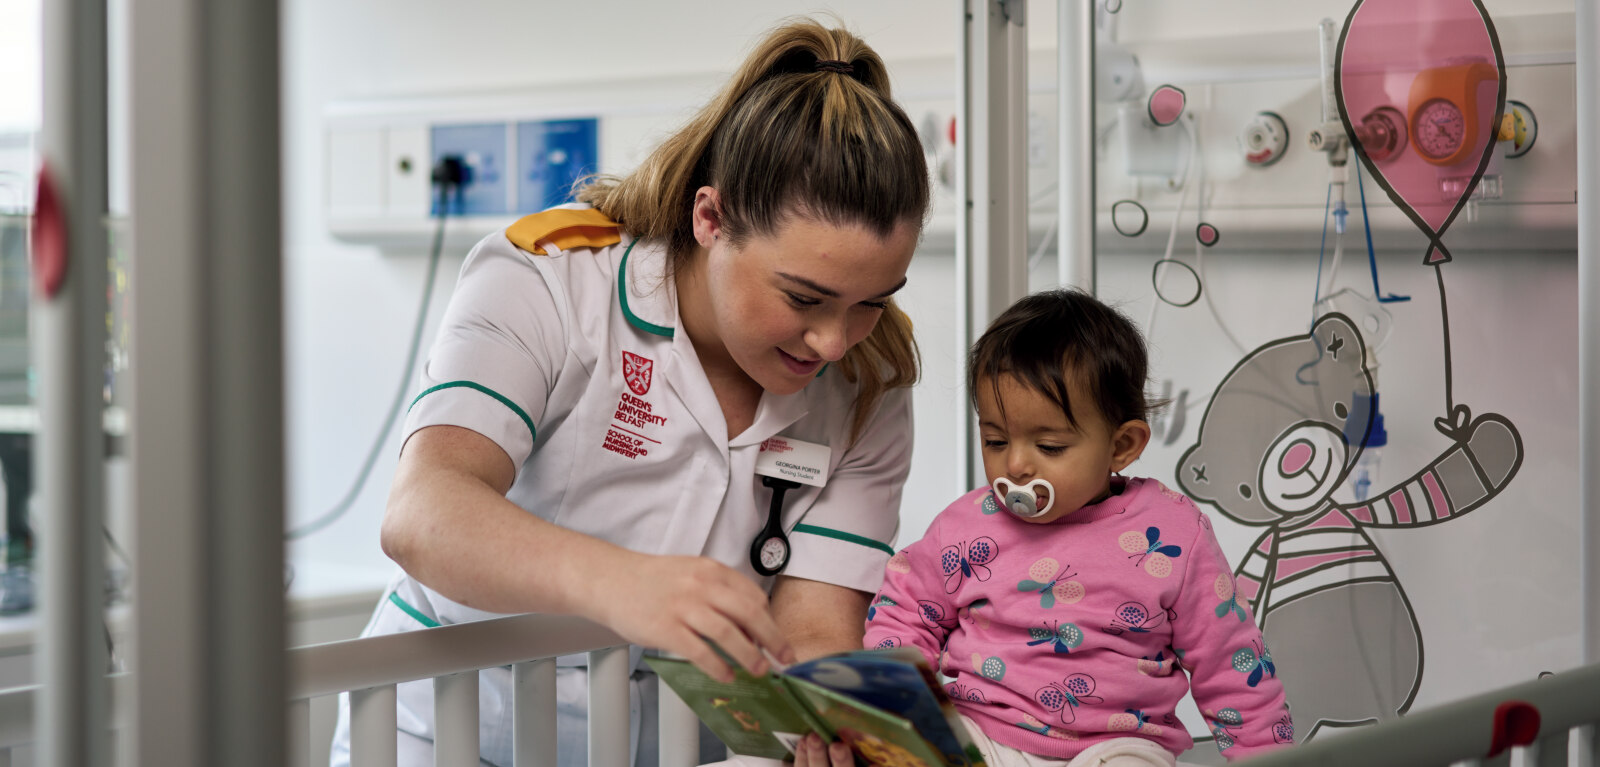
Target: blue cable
1372,256
1316,295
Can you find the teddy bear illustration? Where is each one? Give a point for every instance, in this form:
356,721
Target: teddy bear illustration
1282,431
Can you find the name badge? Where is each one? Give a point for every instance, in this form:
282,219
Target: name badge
796,461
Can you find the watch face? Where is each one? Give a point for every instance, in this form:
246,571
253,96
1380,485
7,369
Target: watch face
774,553
1440,129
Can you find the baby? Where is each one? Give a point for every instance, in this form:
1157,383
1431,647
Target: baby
1075,607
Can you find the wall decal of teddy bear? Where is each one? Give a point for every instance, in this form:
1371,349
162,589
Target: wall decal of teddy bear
1282,431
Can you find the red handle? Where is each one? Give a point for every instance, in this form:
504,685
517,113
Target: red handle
49,238
1516,723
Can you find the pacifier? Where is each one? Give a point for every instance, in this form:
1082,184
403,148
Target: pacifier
1023,500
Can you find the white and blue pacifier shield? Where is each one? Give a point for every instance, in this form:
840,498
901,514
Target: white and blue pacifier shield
1023,500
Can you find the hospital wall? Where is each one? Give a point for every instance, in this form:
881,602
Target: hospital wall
1494,592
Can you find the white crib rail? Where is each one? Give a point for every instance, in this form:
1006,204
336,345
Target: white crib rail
1457,733
451,656
1461,732
19,714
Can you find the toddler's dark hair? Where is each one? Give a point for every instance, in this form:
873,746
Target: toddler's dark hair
1049,338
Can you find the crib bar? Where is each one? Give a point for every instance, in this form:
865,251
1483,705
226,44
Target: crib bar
1458,730
680,730
608,708
455,719
1549,751
5,757
16,716
533,711
373,726
1588,746
297,728
335,667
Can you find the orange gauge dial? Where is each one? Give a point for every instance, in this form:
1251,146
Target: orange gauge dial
1444,111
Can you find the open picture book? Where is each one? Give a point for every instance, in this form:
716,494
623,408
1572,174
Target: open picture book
887,704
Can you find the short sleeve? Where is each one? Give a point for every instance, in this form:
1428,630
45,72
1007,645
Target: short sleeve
848,535
499,349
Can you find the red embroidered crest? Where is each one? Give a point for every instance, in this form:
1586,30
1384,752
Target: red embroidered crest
636,372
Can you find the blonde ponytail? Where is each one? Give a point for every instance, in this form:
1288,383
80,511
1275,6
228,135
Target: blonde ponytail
787,136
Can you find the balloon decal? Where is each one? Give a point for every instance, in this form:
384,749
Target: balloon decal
1185,292
1437,65
1207,234
1129,218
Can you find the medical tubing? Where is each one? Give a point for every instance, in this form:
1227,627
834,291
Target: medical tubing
1049,233
1338,178
1372,255
1172,233
1316,293
1044,244
332,515
1366,226
1200,259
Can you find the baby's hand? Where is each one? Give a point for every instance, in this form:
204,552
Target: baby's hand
812,752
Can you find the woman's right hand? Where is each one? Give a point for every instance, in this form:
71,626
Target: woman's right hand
677,603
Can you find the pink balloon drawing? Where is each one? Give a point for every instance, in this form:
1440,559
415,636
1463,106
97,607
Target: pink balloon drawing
1207,234
1421,87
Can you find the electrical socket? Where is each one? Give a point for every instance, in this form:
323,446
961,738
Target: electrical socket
484,148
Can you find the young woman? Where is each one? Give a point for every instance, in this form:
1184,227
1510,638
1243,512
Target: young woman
608,374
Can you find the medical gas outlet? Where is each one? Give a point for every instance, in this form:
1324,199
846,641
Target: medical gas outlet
1264,139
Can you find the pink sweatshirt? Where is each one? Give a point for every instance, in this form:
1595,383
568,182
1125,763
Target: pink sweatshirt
1063,635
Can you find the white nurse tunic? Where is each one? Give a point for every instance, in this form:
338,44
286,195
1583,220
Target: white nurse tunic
561,344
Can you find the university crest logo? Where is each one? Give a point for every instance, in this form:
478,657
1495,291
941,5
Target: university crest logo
636,371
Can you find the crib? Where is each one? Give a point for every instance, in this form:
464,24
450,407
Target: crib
1544,723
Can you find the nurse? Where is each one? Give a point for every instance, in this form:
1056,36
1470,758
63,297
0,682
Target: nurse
616,384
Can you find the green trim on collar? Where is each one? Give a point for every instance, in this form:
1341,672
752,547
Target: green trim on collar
622,294
532,432
844,536
412,611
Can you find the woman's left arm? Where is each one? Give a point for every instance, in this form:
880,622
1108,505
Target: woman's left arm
819,618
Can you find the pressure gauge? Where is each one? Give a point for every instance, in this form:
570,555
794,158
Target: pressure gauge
1443,112
1440,129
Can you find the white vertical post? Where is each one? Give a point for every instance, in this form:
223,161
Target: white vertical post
1588,47
533,711
1075,112
1587,746
608,707
679,728
298,738
373,727
69,324
991,176
206,420
455,719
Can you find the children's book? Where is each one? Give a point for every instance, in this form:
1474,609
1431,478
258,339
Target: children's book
887,704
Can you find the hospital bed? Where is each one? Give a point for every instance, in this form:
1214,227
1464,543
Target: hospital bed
1544,723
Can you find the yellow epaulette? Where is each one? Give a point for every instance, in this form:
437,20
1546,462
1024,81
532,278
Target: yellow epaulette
566,228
